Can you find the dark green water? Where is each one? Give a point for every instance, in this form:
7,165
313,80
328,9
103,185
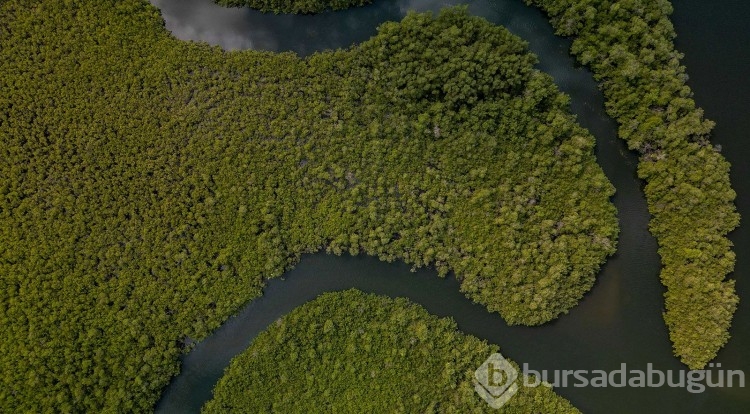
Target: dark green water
619,321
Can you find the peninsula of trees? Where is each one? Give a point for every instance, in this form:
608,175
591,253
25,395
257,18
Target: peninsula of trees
150,186
628,45
350,352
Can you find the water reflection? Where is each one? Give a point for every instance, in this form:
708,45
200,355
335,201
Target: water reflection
242,28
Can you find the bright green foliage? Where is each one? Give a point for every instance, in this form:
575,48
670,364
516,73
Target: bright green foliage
149,186
294,6
349,352
628,44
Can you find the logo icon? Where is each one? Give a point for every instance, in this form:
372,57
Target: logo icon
495,381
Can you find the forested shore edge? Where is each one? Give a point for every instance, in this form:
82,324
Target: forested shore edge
410,361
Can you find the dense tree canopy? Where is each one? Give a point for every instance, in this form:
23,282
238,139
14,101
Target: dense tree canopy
628,44
149,185
294,6
355,353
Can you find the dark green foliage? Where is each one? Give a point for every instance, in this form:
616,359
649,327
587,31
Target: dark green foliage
149,186
294,6
350,352
628,44
472,212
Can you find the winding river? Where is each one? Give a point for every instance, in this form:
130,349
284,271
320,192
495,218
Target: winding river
620,320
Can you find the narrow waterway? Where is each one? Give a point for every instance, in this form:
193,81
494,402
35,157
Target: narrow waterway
620,320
